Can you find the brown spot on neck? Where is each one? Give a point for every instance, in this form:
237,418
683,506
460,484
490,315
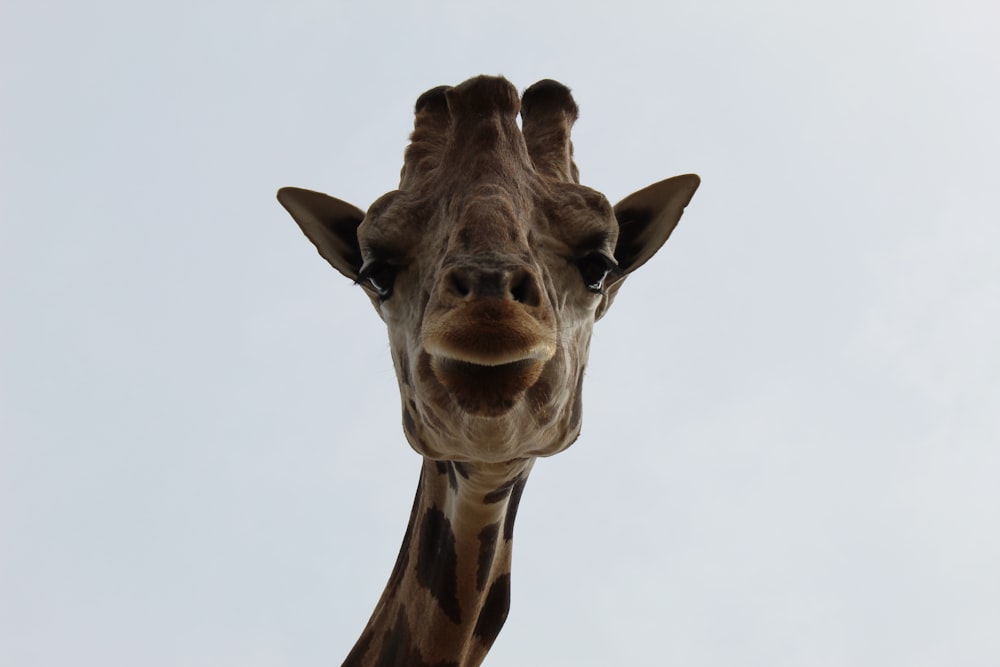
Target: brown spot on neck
448,595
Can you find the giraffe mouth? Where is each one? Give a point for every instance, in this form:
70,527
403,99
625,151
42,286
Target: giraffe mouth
486,390
487,352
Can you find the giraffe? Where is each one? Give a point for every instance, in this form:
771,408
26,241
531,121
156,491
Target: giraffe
489,266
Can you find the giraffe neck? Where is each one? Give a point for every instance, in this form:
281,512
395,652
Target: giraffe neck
449,592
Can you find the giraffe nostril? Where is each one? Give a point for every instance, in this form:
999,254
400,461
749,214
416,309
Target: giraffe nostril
519,289
515,284
524,288
459,284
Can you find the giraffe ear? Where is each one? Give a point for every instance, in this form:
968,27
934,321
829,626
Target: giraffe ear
647,217
331,225
645,220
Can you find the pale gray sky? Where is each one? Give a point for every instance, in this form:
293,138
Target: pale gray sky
792,415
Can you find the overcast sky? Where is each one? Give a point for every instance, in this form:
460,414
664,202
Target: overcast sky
791,417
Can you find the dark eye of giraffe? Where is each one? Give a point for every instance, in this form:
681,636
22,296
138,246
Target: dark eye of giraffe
595,269
378,276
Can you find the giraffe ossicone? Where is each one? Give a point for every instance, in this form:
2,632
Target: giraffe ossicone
489,266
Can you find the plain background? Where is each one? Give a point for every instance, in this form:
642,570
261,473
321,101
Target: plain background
792,414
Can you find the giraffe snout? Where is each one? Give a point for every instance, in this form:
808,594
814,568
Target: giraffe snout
518,284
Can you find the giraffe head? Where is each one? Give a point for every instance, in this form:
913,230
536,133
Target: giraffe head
490,265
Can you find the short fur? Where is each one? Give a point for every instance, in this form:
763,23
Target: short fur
489,265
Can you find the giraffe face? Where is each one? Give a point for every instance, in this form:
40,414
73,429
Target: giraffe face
489,266
490,310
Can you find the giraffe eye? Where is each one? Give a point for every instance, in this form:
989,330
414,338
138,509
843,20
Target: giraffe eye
379,277
595,269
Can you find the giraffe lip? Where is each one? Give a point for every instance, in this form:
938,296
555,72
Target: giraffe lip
450,356
489,332
451,365
488,390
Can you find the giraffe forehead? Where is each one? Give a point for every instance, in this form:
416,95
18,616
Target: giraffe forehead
492,219
504,216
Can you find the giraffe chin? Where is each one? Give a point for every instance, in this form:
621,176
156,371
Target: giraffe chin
486,391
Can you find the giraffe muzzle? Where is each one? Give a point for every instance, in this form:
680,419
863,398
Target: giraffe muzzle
487,352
